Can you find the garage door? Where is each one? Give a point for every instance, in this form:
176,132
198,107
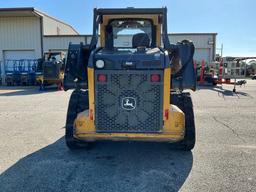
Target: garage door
11,56
202,54
18,55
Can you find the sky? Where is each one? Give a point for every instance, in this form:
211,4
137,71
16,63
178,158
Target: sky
233,20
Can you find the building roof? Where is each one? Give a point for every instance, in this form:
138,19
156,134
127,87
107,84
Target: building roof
130,10
46,15
28,11
22,11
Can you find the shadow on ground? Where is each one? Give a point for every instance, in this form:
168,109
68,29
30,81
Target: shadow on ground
225,92
107,166
21,91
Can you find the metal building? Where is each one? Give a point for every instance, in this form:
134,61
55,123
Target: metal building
205,43
26,33
22,31
60,42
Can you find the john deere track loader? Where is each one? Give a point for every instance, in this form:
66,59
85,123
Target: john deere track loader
129,86
51,70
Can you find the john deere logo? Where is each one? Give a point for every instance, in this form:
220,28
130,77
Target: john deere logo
128,103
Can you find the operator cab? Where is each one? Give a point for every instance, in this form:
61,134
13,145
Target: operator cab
134,36
130,43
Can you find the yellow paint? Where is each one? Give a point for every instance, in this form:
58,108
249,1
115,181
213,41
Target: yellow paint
40,78
175,122
167,90
83,123
158,35
173,129
129,137
154,18
91,90
61,75
102,35
107,18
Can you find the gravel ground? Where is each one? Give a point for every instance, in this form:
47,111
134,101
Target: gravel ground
34,156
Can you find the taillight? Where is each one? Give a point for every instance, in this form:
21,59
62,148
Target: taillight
102,78
91,114
166,114
155,78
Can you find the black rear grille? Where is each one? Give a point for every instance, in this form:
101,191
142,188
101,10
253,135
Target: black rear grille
128,102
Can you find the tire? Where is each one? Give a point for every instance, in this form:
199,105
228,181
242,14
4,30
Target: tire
184,102
78,102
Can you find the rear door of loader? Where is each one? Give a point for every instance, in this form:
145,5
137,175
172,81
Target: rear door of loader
76,67
185,78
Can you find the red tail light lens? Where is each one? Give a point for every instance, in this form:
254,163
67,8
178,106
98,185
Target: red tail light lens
166,114
102,78
91,114
155,78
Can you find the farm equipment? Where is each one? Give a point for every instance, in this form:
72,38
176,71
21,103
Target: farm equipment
24,72
130,90
51,70
12,72
20,72
32,68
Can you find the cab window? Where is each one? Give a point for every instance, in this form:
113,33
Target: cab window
119,33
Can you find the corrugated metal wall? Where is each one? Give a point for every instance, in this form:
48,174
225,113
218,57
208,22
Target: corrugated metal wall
20,33
204,43
61,42
54,27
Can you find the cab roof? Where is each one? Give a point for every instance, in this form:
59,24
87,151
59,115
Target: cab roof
131,10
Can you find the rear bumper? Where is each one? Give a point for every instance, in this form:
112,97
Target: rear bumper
173,130
90,137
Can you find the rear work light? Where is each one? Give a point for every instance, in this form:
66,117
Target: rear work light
102,78
155,78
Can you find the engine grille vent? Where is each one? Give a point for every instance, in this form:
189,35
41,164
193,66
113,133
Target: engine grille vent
128,102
